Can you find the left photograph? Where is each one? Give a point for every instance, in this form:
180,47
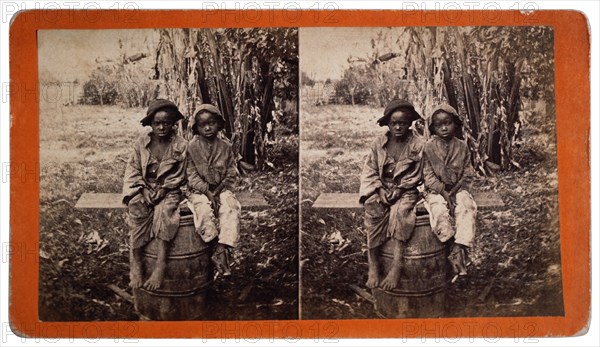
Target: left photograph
168,174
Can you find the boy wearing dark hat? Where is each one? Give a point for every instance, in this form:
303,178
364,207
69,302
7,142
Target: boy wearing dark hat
152,184
388,190
447,174
212,173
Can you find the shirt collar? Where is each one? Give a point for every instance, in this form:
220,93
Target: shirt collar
147,138
440,140
384,139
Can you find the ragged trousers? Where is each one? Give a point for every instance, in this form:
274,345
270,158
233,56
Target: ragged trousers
228,219
465,213
397,221
160,221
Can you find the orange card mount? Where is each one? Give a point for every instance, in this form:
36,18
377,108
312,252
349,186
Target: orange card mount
572,90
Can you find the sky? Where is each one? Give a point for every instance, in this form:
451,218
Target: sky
324,52
70,54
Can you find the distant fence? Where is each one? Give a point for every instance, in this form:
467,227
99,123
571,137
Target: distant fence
318,94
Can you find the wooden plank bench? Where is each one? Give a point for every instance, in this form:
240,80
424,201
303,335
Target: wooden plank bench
484,200
248,200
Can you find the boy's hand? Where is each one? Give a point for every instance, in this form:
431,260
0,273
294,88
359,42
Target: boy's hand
453,189
216,204
147,195
159,195
383,196
214,201
395,195
218,190
450,201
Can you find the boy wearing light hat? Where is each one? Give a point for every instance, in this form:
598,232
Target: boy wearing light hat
447,174
212,174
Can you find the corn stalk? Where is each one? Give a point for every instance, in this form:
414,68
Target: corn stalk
245,72
479,72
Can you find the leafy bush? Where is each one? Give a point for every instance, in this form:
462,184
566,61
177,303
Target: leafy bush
354,88
101,88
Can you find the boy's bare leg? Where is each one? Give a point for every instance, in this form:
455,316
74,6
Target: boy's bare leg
135,268
391,280
158,274
373,260
221,258
229,225
458,259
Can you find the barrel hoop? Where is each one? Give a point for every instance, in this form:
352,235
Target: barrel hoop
185,220
179,294
417,256
416,294
181,256
422,220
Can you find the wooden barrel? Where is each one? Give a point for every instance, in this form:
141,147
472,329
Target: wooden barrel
421,291
189,273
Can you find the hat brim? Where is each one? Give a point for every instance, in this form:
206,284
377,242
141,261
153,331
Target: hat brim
212,110
456,118
449,110
384,121
174,111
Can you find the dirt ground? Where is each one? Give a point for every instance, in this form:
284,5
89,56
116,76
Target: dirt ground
84,149
515,264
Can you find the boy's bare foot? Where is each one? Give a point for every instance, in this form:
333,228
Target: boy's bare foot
391,280
373,280
135,277
135,270
155,279
160,266
135,280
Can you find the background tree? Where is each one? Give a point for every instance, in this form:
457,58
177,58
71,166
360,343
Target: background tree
248,73
126,80
100,88
355,86
305,80
484,72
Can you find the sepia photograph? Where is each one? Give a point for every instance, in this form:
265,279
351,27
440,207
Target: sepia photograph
298,175
168,174
428,170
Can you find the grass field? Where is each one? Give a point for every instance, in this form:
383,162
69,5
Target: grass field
84,149
515,268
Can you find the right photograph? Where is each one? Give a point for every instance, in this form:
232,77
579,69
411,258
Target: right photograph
429,182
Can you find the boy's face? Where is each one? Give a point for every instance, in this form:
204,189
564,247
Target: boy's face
207,125
162,124
443,125
399,124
